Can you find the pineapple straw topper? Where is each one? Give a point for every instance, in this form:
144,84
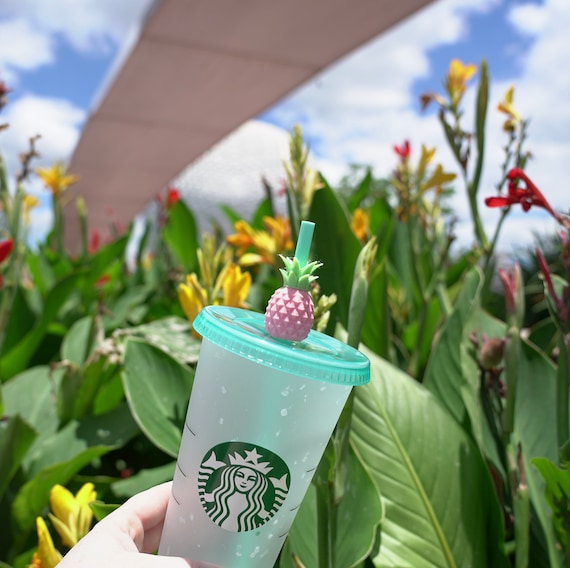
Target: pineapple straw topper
290,312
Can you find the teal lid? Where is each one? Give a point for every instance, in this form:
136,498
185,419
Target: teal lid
319,356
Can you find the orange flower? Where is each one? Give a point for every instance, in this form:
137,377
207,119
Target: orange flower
261,247
360,224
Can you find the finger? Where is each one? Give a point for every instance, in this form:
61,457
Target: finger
139,515
152,538
150,505
129,560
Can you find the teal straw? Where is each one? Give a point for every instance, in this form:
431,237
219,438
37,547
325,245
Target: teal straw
304,242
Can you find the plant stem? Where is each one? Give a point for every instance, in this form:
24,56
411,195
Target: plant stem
563,377
488,266
58,224
521,505
512,358
480,234
522,515
325,512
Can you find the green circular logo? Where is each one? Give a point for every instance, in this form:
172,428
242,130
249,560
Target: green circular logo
241,485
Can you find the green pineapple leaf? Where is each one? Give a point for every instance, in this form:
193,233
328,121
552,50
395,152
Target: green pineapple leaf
297,276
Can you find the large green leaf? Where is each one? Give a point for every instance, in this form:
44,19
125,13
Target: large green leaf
16,437
144,479
181,235
66,453
535,430
31,395
120,311
80,387
33,497
446,377
157,389
98,263
405,264
360,192
357,519
333,226
376,329
76,344
108,431
172,335
16,360
453,374
440,505
20,322
557,494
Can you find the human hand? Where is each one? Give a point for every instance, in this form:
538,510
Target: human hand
128,536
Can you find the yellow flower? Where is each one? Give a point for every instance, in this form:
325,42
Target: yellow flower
231,281
280,231
265,244
425,159
438,179
192,297
235,285
360,224
46,556
56,178
506,106
71,516
147,260
29,202
456,80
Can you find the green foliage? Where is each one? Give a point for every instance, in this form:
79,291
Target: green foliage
156,387
443,459
397,424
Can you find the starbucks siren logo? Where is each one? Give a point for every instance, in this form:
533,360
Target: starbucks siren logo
241,485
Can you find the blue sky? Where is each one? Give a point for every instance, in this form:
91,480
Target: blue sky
353,112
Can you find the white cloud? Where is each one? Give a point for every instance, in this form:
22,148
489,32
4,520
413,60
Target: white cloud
88,25
22,48
56,120
41,221
529,18
357,110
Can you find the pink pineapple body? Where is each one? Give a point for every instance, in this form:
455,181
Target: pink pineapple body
289,314
290,311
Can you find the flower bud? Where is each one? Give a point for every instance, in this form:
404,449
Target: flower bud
491,353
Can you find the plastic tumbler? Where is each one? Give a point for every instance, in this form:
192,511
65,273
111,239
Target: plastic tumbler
260,415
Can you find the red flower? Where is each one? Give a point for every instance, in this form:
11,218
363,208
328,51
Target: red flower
172,196
94,241
5,249
404,150
558,302
102,280
510,280
525,196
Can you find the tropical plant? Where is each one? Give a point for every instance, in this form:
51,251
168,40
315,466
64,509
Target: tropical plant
456,452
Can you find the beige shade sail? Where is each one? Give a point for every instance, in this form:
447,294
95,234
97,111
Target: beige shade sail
197,71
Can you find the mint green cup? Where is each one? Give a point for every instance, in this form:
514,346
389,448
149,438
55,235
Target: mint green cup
260,415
